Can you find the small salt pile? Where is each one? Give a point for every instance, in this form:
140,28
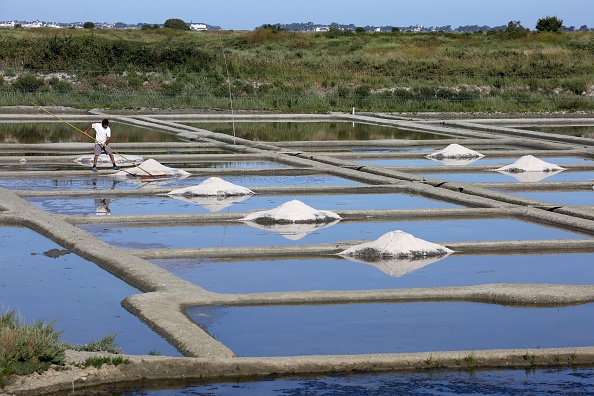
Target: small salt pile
293,220
104,161
455,151
396,245
529,163
529,169
214,194
150,167
213,186
292,212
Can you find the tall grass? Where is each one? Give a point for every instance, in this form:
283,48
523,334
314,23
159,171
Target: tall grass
298,71
27,348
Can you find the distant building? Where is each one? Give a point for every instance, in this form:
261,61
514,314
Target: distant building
198,26
323,29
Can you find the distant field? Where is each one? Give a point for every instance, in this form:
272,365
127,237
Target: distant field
272,70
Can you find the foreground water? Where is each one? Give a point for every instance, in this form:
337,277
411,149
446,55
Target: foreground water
538,382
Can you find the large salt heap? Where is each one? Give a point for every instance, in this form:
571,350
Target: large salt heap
530,169
397,253
293,220
150,167
214,194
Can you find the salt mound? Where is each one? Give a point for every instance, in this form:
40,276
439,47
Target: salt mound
529,163
455,151
531,177
150,167
213,186
104,161
292,231
395,245
292,212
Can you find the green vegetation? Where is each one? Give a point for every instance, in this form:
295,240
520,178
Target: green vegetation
33,348
549,24
27,348
511,70
98,361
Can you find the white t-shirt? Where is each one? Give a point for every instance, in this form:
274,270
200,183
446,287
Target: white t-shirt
101,134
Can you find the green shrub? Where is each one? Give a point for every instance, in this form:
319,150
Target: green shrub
27,348
27,82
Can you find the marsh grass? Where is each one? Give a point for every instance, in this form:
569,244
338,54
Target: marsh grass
299,71
27,348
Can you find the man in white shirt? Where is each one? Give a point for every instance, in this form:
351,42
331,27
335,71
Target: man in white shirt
102,139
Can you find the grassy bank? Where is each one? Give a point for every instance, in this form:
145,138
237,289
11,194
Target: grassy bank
274,70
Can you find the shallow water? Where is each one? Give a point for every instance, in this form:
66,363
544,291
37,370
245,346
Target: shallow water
165,204
83,299
538,382
496,177
393,328
586,131
107,182
162,236
58,132
335,273
496,162
574,198
312,131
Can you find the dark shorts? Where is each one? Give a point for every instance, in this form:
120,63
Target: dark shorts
99,148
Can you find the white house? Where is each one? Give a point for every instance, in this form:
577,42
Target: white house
322,29
198,26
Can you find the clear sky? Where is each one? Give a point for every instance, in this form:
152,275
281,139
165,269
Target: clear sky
249,14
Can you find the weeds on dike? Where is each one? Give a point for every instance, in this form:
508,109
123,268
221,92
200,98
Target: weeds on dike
34,348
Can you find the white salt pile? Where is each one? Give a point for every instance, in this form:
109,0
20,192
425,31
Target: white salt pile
150,167
104,161
292,212
455,151
529,163
213,186
214,194
395,245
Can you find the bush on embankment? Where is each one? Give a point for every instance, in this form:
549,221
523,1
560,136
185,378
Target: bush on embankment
272,69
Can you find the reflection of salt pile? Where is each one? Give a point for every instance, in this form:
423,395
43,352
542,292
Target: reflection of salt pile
397,253
293,219
104,161
530,169
455,154
213,194
150,167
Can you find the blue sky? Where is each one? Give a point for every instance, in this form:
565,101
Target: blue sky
248,14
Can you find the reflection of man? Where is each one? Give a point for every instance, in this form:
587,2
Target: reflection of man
102,207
